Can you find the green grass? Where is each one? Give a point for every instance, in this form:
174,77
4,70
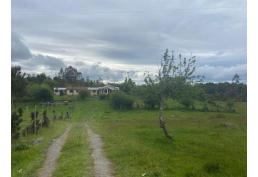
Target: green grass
75,159
25,162
205,144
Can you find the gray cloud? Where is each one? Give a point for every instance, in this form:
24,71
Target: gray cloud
222,73
134,32
19,49
97,71
40,63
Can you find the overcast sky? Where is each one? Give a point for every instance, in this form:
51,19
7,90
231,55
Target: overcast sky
111,39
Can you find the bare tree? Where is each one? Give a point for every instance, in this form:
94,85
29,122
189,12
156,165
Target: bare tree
173,73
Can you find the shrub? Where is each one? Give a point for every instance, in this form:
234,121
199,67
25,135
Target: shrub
20,147
103,97
15,123
121,101
40,92
187,102
205,107
151,101
83,94
230,106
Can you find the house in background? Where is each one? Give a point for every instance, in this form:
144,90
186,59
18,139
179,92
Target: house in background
93,90
68,90
102,90
59,91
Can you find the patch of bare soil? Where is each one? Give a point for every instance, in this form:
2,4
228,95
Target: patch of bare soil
102,164
52,155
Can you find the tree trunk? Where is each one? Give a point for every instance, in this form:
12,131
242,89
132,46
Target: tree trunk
162,121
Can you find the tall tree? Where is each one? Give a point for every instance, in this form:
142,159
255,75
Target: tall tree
18,83
236,79
127,85
174,73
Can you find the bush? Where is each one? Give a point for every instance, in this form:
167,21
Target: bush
187,102
151,101
205,107
103,97
121,101
230,106
20,147
40,92
15,123
83,94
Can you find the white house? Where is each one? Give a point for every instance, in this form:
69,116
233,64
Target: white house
68,91
102,90
59,91
93,90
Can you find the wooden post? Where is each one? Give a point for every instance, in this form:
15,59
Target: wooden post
35,119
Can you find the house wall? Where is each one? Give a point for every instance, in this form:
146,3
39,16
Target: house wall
57,93
93,92
72,92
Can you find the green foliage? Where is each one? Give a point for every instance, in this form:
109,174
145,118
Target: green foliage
40,92
127,86
236,79
103,97
16,120
230,106
21,147
205,107
46,120
83,94
18,83
187,102
121,101
150,97
224,91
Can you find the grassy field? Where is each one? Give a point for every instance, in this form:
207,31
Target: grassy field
205,143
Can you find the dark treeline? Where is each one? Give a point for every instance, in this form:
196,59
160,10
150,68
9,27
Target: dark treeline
39,87
26,86
224,91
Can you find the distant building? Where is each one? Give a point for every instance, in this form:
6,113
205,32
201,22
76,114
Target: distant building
93,90
68,90
102,90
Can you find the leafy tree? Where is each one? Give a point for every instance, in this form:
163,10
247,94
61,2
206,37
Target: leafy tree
40,92
18,83
16,120
70,74
150,94
224,91
236,79
173,73
128,85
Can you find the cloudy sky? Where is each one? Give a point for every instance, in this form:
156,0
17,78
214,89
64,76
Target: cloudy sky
111,39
